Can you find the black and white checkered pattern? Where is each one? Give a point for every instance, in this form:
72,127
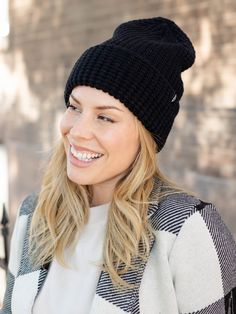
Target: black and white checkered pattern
192,250
7,301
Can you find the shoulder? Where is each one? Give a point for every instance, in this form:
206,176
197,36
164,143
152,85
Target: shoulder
175,210
28,205
24,213
203,250
20,232
188,217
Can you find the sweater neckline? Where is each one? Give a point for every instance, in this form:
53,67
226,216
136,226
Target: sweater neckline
98,214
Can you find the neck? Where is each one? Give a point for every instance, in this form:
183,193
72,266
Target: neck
102,194
100,200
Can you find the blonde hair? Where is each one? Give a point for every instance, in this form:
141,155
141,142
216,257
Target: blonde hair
63,209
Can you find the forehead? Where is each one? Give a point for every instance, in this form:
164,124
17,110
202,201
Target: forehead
91,95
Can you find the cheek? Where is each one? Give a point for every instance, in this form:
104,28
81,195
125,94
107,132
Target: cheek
122,142
131,143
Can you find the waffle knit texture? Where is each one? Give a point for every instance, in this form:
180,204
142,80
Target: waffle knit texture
141,66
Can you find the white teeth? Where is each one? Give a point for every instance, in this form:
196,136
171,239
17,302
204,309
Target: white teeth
84,156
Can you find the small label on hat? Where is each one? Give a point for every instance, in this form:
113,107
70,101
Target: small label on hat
174,98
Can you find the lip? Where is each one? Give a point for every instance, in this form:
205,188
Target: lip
83,149
80,163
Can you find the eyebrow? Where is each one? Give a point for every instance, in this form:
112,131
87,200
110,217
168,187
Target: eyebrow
98,107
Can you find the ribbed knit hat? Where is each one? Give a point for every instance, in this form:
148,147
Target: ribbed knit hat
141,66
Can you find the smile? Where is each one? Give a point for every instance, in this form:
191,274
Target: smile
84,156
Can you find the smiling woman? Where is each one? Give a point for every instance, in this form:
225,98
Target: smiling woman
110,133
108,232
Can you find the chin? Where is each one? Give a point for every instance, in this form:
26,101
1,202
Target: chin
77,179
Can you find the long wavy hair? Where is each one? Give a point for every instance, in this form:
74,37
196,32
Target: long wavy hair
63,209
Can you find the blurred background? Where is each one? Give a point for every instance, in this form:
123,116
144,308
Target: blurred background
41,40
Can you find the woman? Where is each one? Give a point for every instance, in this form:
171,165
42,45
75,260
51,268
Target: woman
108,233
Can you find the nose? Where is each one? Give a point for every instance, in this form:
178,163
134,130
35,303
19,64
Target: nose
82,127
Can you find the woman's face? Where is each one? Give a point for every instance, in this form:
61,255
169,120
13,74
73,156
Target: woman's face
100,137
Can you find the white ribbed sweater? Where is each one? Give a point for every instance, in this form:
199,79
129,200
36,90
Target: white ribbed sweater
80,279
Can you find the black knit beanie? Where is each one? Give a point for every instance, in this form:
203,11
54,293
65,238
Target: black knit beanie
141,66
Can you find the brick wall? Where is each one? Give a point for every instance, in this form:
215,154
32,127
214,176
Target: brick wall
47,37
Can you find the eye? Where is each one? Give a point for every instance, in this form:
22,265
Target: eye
106,119
72,107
